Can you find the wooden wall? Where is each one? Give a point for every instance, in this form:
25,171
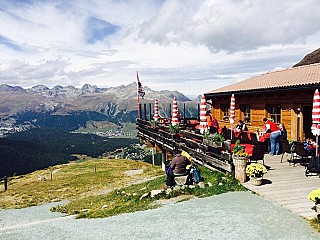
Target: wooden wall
289,102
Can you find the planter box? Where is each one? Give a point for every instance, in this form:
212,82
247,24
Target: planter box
256,181
240,164
212,144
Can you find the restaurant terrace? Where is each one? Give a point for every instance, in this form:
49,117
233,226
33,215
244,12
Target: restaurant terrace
284,96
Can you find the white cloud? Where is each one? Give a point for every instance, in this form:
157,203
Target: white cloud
233,25
189,46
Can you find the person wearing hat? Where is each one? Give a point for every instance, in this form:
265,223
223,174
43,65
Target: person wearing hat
178,167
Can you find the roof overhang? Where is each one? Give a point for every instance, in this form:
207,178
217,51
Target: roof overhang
263,90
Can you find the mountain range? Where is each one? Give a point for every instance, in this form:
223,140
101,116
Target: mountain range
70,107
114,103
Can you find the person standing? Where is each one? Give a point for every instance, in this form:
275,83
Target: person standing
275,134
283,130
212,122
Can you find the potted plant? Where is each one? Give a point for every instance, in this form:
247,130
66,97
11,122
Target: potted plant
153,126
153,123
240,159
315,197
255,171
174,128
218,139
238,151
213,140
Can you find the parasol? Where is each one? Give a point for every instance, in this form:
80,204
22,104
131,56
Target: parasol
232,112
316,117
174,120
156,111
203,119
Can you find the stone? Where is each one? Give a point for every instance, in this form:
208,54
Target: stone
154,193
144,195
41,178
168,191
181,180
84,210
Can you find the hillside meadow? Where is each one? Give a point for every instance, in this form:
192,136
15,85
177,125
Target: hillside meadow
104,187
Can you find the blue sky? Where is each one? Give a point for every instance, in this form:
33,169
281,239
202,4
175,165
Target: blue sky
193,46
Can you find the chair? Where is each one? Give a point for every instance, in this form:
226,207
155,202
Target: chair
254,139
285,146
244,138
234,140
258,153
300,151
228,134
224,132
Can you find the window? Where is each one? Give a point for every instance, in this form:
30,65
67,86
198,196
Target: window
245,111
274,112
225,112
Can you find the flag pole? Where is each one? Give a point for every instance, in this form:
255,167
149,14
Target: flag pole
139,107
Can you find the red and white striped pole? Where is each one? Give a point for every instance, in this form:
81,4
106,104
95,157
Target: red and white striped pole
174,120
232,112
203,118
315,129
232,109
156,111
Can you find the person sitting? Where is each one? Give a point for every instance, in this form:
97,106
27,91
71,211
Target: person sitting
178,167
241,126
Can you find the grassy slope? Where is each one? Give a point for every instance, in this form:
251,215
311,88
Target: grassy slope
71,181
104,192
101,188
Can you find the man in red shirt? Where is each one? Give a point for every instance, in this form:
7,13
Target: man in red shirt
275,134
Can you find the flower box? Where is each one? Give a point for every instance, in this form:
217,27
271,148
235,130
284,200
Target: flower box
212,143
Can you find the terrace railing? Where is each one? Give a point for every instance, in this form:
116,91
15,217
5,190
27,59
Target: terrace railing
187,140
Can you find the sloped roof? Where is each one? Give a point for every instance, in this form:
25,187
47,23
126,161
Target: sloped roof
291,77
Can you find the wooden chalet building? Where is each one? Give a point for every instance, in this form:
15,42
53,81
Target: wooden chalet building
286,96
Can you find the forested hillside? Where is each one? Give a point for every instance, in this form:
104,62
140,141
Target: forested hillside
35,149
68,122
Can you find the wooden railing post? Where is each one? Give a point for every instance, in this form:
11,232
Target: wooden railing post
150,114
5,180
145,111
163,159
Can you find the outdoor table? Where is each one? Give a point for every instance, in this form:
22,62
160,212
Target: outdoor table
237,134
193,123
264,137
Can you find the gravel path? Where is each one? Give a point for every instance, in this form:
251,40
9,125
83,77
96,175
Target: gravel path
239,215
